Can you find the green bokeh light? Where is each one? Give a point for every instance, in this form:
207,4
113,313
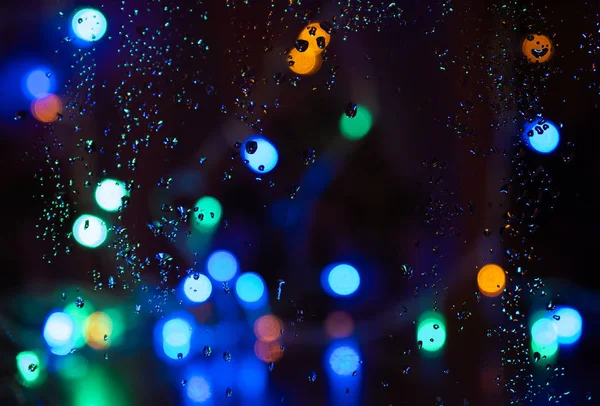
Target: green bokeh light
79,315
431,331
29,367
357,127
549,351
208,215
99,388
73,366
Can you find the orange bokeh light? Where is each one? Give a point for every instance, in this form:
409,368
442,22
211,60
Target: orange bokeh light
339,325
304,63
96,326
268,352
491,280
47,109
314,34
268,328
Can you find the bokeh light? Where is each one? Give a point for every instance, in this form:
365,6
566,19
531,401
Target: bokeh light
89,24
568,324
339,324
344,360
355,128
304,63
268,351
59,333
79,316
38,83
340,279
431,332
259,154
198,389
542,136
29,366
110,193
491,280
197,288
47,109
544,332
98,329
208,213
268,328
222,265
250,287
317,38
89,231
176,336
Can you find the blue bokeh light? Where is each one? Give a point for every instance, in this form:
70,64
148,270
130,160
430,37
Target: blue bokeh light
252,377
340,279
59,333
38,83
197,288
250,287
198,389
542,136
344,360
89,24
544,332
176,337
259,154
569,323
222,266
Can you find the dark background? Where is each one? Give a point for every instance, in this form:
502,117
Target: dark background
400,196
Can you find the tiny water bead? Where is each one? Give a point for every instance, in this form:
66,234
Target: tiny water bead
90,231
491,280
89,24
110,193
542,136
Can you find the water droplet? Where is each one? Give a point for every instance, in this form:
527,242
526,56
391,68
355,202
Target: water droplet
550,306
251,147
20,115
536,356
436,326
261,168
556,317
179,355
321,42
301,45
79,20
351,109
312,376
32,367
79,302
228,392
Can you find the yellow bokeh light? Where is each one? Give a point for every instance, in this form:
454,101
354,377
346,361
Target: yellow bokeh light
47,109
491,280
96,327
304,63
317,38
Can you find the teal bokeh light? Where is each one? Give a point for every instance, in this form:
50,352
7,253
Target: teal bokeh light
207,213
358,126
89,24
431,332
110,193
90,231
